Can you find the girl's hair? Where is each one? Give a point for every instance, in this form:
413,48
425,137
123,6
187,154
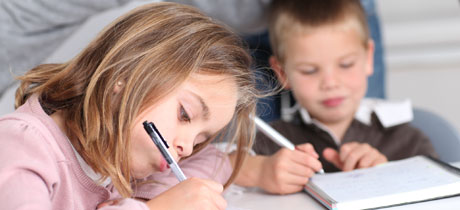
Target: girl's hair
152,50
292,16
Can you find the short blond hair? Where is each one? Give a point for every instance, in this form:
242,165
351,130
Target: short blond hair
289,17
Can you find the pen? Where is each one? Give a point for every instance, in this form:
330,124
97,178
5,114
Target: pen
275,136
163,147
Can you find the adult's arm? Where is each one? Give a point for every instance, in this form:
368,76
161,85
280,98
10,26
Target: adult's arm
30,30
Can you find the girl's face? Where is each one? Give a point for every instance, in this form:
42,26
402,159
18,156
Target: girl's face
189,115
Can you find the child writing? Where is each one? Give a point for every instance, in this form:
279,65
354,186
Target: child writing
323,53
77,141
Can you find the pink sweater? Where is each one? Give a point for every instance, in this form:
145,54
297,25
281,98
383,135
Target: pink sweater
39,169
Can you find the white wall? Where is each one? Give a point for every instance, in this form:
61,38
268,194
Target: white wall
422,53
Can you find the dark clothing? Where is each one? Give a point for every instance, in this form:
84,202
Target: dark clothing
397,142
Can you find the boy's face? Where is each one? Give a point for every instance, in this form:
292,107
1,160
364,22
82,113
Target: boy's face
327,70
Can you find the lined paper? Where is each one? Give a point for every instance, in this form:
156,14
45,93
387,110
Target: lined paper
394,177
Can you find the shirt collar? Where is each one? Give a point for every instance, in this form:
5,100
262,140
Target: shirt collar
389,113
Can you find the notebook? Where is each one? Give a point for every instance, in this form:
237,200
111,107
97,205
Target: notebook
394,183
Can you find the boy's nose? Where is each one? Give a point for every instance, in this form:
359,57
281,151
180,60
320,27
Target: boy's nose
329,81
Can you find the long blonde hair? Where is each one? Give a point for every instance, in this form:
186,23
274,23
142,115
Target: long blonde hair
152,49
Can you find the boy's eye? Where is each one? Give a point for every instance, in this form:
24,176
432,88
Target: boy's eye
309,71
183,116
347,65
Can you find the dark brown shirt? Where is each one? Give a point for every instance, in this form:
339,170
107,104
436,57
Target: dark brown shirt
397,142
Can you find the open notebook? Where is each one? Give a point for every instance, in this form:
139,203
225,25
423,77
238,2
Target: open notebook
395,183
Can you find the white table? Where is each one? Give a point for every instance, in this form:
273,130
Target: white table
255,199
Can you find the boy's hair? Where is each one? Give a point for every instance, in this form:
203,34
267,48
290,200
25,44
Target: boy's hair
152,50
299,16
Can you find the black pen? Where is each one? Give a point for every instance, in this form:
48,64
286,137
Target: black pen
163,147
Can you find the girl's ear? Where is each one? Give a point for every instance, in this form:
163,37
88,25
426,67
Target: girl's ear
276,66
118,87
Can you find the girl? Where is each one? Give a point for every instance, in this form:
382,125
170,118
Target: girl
76,139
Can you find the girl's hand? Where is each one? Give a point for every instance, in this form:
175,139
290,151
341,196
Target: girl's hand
288,171
193,193
108,203
354,155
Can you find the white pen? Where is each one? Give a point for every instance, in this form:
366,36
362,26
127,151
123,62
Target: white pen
275,136
163,147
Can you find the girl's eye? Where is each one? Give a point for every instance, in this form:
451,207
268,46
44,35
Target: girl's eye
183,116
347,65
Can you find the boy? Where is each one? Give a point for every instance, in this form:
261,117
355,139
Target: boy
323,53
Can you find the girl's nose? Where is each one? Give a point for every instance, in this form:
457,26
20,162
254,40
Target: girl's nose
183,147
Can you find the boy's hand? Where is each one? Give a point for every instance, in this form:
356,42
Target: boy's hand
288,171
354,155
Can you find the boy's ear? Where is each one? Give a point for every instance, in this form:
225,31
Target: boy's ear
370,57
276,66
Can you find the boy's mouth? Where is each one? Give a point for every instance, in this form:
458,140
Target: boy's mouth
332,102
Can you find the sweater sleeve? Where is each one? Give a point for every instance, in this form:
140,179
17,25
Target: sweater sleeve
406,141
209,163
421,144
26,168
29,174
263,145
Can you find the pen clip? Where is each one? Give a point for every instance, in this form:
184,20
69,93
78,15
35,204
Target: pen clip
161,137
150,128
155,135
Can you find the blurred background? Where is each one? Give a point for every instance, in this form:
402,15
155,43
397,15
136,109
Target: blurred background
421,40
